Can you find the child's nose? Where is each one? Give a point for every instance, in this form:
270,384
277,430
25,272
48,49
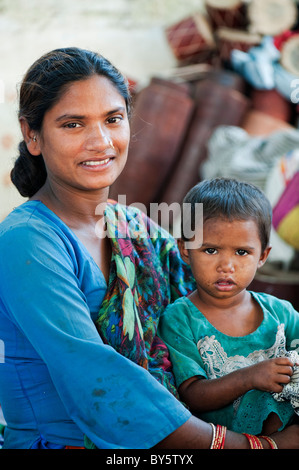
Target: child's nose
226,265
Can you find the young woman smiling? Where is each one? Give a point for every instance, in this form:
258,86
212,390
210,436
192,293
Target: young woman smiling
79,307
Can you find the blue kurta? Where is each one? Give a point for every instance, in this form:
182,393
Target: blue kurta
59,380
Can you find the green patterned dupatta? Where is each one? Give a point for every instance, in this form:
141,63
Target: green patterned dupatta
146,275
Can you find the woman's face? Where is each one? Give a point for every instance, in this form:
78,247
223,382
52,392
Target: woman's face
85,136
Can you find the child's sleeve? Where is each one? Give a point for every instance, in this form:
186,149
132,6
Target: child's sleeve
291,321
284,312
175,330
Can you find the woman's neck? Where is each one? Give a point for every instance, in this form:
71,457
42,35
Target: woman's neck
76,208
83,213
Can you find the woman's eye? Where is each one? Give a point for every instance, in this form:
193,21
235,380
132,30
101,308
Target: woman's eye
242,252
72,125
114,119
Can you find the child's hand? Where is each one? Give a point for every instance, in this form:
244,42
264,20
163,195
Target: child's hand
271,375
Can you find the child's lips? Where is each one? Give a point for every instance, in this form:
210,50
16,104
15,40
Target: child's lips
224,284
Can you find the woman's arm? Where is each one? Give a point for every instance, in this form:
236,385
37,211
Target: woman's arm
196,434
115,402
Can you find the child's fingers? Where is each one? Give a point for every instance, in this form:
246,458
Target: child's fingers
284,361
277,388
284,377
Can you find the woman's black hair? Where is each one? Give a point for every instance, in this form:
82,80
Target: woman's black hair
43,85
231,199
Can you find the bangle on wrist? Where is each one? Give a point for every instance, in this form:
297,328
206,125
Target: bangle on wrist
254,441
218,436
270,441
213,434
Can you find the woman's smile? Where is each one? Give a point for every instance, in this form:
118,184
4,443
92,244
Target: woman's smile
97,165
96,162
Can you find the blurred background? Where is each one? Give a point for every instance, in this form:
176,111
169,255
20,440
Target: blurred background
216,91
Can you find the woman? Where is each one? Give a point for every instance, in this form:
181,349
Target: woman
82,280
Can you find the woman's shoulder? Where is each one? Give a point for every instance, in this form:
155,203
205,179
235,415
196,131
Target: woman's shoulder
29,224
18,219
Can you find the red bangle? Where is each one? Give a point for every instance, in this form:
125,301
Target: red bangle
254,441
270,441
219,433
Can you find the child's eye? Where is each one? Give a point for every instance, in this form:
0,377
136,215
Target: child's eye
242,252
210,251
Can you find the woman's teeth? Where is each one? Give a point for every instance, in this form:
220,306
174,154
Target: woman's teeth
96,162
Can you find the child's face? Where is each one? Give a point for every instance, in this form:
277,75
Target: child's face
227,261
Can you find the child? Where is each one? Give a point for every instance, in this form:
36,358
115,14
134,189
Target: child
228,345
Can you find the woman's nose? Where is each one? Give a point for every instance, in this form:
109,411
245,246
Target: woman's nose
98,139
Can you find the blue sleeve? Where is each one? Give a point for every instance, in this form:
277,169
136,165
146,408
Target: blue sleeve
116,403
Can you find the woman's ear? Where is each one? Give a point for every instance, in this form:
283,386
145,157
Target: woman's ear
30,137
183,250
264,256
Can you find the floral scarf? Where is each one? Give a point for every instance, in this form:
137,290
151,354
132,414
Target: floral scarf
146,275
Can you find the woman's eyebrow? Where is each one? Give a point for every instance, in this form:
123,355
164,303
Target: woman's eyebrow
69,116
116,110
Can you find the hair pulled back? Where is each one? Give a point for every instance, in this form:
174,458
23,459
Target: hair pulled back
42,87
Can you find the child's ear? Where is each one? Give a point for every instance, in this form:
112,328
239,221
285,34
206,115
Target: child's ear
183,250
264,256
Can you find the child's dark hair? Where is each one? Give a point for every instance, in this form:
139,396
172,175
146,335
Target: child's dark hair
231,199
42,87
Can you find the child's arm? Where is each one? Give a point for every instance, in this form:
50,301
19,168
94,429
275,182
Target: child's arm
203,395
